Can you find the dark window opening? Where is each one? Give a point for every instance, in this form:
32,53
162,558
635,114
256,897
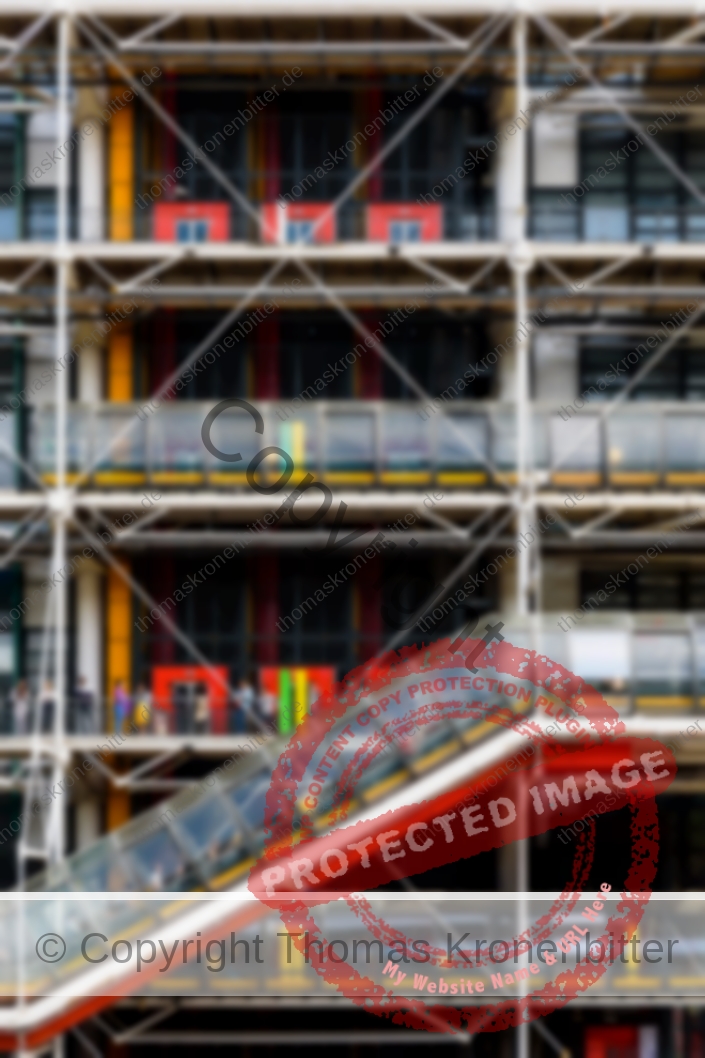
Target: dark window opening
309,344
304,351
679,376
437,352
649,589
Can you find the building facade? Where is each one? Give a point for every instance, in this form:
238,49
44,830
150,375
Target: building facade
307,321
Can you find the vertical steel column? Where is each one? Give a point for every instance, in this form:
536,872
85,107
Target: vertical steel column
56,837
524,498
520,265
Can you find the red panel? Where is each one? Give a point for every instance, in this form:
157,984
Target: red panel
266,348
215,679
380,215
368,374
166,216
597,756
276,216
696,1044
265,590
323,679
611,1041
269,679
369,578
163,644
273,222
163,353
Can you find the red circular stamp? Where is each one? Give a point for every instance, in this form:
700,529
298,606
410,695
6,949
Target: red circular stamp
356,803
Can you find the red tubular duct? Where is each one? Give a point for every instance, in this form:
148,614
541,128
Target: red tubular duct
418,837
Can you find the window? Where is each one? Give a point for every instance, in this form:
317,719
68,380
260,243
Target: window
165,339
324,631
624,191
164,171
649,589
298,231
315,161
309,342
437,351
192,230
682,858
40,215
214,616
679,376
434,161
9,208
404,231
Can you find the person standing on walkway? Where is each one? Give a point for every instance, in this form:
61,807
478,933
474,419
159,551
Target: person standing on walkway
21,708
122,706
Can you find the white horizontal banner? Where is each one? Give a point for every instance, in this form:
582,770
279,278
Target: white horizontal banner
434,947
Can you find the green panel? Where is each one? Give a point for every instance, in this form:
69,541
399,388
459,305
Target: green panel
286,702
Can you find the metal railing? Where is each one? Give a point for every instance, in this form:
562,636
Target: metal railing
644,662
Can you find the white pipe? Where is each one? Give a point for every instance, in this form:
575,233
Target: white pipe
57,835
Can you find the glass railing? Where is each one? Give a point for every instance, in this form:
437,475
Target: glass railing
642,663
376,443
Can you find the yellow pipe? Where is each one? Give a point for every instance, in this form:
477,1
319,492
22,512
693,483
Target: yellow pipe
121,173
120,367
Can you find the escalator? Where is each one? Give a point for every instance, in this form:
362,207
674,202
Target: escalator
205,840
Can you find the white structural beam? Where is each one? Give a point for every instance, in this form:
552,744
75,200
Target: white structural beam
15,47
435,9
515,222
363,251
56,831
381,501
372,503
